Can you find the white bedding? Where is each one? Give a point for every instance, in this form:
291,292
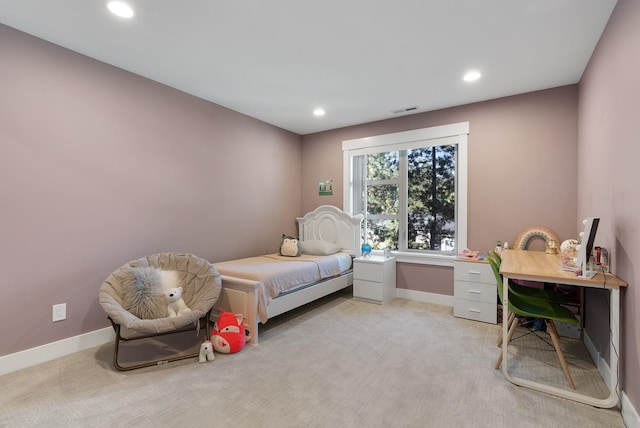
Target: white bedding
278,274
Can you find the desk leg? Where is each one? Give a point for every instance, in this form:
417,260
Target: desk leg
505,325
614,348
612,400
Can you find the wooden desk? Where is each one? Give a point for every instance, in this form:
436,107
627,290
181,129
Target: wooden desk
539,266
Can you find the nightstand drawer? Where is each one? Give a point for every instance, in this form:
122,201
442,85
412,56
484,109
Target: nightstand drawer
474,272
475,291
368,290
478,311
369,271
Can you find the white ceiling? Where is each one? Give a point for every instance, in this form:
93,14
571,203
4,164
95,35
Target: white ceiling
278,60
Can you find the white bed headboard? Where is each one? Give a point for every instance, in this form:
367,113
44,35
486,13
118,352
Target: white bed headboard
329,223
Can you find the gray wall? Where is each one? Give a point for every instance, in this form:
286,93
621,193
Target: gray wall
522,170
99,166
608,177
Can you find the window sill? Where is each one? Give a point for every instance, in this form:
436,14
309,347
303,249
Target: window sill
422,259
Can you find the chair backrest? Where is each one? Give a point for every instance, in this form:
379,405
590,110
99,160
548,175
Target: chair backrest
495,267
200,280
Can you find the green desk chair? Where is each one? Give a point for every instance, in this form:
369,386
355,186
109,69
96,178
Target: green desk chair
535,308
527,292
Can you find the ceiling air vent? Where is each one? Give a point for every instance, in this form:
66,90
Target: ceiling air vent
405,110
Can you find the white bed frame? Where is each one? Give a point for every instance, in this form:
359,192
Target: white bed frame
327,223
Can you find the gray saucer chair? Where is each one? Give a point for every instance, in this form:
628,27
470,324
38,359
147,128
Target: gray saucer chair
201,285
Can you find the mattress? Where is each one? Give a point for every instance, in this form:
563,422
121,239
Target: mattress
276,274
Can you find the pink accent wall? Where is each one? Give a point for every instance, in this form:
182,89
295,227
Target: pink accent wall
608,177
437,279
99,166
522,169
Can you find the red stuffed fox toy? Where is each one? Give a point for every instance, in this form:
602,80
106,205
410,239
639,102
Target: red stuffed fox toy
228,335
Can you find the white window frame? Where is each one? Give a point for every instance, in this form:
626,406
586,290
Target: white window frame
456,133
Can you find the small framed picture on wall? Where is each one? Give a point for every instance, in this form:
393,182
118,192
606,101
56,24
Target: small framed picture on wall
325,187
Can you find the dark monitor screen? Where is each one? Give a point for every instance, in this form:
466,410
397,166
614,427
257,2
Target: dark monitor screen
587,242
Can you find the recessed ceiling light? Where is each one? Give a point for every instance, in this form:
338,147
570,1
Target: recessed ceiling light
318,112
120,9
471,76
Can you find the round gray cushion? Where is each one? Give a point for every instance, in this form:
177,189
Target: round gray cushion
200,281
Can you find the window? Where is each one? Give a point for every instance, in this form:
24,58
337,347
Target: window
411,188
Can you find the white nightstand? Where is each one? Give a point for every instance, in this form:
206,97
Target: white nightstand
475,291
374,279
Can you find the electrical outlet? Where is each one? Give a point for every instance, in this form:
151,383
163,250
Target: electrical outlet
59,312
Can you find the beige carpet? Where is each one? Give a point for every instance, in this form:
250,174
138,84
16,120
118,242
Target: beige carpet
334,363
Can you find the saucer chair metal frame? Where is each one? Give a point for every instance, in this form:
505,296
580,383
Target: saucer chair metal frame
201,284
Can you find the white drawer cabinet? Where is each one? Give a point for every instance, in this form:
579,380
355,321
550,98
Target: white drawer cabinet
374,279
475,291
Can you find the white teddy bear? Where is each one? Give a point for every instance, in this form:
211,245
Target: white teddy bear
176,306
206,352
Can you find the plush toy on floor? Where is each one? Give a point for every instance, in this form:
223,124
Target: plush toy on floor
228,333
176,306
206,352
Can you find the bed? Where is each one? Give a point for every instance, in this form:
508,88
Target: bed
260,287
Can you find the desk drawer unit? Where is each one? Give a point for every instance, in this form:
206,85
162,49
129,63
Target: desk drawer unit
474,291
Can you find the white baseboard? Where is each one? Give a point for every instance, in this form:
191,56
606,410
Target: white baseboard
51,351
629,413
422,296
601,364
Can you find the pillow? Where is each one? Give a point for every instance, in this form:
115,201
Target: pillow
290,246
318,247
143,291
